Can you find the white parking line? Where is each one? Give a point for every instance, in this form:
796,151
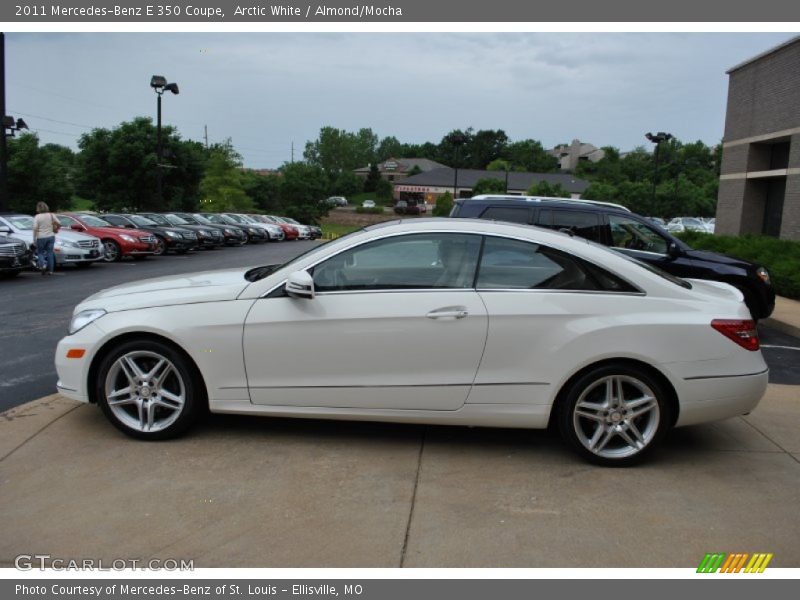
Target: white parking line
779,347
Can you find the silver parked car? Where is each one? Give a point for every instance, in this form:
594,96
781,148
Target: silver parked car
71,247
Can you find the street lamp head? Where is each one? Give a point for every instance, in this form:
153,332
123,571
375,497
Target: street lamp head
8,122
21,124
658,137
158,81
172,87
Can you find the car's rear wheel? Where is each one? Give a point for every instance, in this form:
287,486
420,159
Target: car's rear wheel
148,390
615,414
113,251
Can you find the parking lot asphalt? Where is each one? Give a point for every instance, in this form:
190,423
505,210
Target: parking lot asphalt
262,492
35,312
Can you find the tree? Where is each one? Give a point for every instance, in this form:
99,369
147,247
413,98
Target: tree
303,189
263,190
38,173
389,147
373,177
337,150
444,204
117,168
543,188
529,155
347,184
489,185
222,186
384,190
415,170
499,164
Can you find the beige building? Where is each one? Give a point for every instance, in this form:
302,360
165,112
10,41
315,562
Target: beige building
759,188
569,155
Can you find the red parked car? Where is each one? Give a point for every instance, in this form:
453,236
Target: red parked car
289,231
118,242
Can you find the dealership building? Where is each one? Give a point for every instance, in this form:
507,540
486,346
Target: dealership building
759,188
426,187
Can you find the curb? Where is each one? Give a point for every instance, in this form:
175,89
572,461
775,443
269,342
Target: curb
782,326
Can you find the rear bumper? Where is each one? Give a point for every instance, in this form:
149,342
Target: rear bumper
721,397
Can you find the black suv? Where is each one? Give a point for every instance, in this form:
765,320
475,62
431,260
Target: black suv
615,226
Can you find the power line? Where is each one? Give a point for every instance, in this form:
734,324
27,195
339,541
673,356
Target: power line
53,120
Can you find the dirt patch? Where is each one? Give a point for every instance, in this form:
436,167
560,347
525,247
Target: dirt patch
350,217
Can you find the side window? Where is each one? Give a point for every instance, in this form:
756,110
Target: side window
66,221
514,264
115,220
513,214
634,235
416,261
583,224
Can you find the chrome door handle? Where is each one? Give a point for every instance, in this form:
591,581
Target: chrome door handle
451,313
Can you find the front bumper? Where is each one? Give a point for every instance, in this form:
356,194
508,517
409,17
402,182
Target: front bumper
66,255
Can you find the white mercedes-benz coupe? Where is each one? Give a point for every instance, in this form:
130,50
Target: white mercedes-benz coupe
446,321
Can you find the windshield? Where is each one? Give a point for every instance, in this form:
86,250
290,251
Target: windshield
234,218
280,220
93,221
176,220
202,219
159,219
188,218
292,221
21,222
141,221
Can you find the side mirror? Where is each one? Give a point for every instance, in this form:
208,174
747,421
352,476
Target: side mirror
77,227
673,251
300,285
4,229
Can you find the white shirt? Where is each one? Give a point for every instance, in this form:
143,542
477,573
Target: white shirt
43,225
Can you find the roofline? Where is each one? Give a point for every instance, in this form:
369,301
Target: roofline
545,199
772,50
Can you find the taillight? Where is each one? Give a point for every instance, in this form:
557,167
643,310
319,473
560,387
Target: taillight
742,332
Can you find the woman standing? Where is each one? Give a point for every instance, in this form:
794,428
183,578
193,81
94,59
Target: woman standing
45,227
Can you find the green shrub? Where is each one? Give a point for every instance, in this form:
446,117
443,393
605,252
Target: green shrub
444,204
781,258
377,210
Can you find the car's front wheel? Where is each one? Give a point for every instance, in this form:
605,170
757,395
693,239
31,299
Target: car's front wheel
148,390
614,415
113,253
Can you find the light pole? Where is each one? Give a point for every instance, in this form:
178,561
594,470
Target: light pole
657,138
457,140
160,85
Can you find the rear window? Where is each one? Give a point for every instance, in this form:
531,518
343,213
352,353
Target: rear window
581,223
513,214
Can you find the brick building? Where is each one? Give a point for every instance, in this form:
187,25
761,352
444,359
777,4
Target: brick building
759,189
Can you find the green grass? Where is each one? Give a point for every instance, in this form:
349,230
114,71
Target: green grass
359,198
781,258
80,204
334,230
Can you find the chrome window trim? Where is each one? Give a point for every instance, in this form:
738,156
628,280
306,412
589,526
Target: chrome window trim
463,232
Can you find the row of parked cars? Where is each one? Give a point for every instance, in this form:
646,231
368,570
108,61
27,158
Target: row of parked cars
85,238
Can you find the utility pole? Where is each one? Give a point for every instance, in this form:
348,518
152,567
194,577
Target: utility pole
3,147
205,134
292,151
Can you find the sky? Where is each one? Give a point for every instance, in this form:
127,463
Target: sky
266,91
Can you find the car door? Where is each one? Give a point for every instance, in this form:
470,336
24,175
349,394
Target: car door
637,239
395,324
542,304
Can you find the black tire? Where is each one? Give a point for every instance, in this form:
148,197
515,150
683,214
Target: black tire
113,251
182,377
161,247
613,425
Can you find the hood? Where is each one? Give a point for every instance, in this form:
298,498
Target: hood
721,259
191,288
119,231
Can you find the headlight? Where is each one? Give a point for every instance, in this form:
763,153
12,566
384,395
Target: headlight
229,231
65,244
763,275
172,234
83,318
128,238
205,233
